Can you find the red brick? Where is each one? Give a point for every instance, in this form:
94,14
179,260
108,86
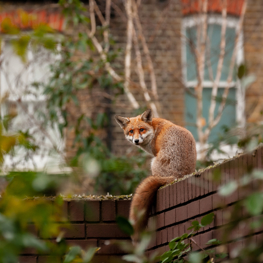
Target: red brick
158,237
123,208
84,244
65,210
197,241
167,197
205,182
173,199
204,238
218,217
31,228
210,181
206,204
164,235
179,192
74,231
182,192
225,173
197,187
193,187
27,259
159,201
169,217
260,157
110,249
181,213
162,191
92,211
160,220
107,259
217,201
49,259
234,247
153,241
193,209
104,230
181,229
227,212
189,192
163,249
170,234
76,211
108,211
176,231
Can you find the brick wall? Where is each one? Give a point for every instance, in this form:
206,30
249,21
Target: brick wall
161,23
92,223
253,50
176,206
179,204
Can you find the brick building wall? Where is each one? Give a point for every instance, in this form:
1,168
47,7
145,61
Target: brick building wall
176,206
253,51
161,23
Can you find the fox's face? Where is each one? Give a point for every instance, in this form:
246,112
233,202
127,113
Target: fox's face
137,130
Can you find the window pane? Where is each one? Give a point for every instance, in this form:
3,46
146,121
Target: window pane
228,117
212,52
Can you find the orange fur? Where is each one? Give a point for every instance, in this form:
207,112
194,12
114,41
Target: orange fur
142,201
175,156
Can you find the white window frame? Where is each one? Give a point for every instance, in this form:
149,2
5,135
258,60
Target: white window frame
232,22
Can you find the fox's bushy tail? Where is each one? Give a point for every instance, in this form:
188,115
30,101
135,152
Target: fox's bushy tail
142,201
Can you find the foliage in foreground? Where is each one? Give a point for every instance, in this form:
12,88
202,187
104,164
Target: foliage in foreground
28,219
77,73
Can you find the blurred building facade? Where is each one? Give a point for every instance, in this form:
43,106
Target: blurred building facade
164,22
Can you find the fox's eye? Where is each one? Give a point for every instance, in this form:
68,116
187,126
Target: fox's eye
141,130
131,131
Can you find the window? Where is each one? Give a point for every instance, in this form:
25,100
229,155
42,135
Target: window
19,80
233,110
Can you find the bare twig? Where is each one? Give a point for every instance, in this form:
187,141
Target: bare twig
220,64
111,71
99,14
92,18
107,24
128,7
199,247
140,73
146,51
201,46
232,65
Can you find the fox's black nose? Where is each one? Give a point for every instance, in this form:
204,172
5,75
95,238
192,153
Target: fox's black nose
136,141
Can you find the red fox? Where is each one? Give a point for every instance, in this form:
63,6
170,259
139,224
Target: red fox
174,151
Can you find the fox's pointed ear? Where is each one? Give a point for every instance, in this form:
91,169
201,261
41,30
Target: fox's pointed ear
147,116
122,121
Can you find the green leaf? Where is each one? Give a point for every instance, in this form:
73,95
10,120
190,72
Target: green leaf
195,225
221,255
195,257
228,188
207,219
241,71
213,242
247,81
132,258
72,254
172,245
166,255
176,239
29,240
125,225
258,174
254,204
90,254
